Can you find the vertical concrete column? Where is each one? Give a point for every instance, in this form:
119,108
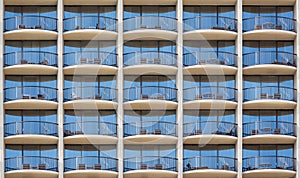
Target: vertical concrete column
120,115
2,43
239,84
60,86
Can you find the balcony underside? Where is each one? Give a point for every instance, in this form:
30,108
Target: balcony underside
210,173
150,104
150,2
90,104
150,174
269,2
269,139
30,69
90,174
150,69
30,34
150,34
90,34
31,139
209,104
90,139
30,104
209,34
30,2
267,173
90,69
269,35
270,69
209,2
210,139
150,139
209,69
31,174
90,2
269,104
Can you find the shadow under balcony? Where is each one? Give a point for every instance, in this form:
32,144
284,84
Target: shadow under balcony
150,166
91,166
30,97
269,166
90,97
210,132
90,28
150,132
208,97
209,167
269,97
209,62
30,62
31,166
150,97
34,132
31,27
210,28
269,28
90,63
150,28
269,63
269,132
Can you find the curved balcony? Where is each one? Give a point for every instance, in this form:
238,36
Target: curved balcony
210,167
150,97
269,132
90,132
90,28
30,62
208,97
91,166
30,97
150,28
30,28
31,166
90,63
210,28
212,132
150,166
269,166
269,28
150,62
88,97
209,62
269,97
153,132
34,132
269,63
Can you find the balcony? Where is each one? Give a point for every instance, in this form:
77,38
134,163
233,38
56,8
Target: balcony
150,97
90,132
88,97
150,132
269,97
208,97
269,132
150,166
90,2
30,62
209,62
210,28
150,62
210,166
210,132
270,2
91,166
269,166
269,28
90,63
90,28
34,132
150,28
30,2
31,166
30,97
269,63
30,28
